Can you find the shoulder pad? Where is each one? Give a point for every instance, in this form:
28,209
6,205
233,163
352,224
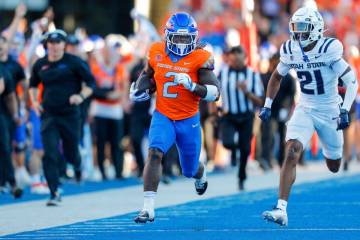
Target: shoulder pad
331,46
209,64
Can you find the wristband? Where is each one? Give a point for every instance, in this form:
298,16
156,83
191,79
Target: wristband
82,96
268,102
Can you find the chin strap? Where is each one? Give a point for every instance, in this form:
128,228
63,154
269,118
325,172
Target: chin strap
305,57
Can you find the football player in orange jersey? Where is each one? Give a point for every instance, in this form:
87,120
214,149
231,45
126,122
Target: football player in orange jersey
182,73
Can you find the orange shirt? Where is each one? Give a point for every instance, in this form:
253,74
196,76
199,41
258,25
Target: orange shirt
172,100
106,79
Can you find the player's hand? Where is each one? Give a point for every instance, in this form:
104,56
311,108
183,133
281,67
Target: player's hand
343,120
265,114
185,80
75,99
137,96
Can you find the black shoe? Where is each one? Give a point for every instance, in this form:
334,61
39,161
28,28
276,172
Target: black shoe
78,176
241,185
54,200
200,187
17,192
143,217
346,166
165,179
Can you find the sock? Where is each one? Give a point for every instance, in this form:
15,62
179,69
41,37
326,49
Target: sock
282,204
149,202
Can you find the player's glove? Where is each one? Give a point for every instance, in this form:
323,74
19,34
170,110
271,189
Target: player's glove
343,120
185,80
137,96
265,114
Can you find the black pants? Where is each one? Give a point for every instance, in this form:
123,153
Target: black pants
236,133
6,166
53,129
268,131
110,130
139,122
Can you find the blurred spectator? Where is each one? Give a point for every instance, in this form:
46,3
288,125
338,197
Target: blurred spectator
7,103
108,107
281,109
139,120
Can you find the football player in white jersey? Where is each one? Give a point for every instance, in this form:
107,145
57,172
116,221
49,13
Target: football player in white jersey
318,63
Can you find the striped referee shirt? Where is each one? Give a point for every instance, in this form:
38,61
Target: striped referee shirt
233,98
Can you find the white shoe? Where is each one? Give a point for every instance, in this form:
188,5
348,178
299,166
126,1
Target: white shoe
39,188
277,216
22,177
145,216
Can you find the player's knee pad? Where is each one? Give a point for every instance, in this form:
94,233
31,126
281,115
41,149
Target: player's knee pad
333,165
155,155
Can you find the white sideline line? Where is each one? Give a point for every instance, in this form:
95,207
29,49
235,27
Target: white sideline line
29,216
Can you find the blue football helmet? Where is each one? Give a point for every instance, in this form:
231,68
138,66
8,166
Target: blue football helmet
181,34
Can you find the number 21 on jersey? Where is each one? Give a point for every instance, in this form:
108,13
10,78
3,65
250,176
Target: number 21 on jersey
306,78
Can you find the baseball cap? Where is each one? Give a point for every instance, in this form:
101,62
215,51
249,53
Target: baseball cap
55,36
72,40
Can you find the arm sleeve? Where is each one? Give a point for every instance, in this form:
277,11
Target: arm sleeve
351,83
35,79
9,83
259,87
83,71
282,68
20,74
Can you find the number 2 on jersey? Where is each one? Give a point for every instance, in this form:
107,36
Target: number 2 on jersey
169,84
306,78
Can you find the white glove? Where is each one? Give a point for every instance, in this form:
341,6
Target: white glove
185,80
135,96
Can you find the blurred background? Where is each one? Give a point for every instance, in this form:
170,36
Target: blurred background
127,28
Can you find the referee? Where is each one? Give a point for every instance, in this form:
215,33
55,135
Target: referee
67,82
241,91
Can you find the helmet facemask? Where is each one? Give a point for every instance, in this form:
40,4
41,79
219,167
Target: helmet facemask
181,42
302,32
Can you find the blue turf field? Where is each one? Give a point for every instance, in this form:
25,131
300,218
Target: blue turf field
323,210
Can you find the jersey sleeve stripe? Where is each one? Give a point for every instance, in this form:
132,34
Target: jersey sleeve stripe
284,48
322,45
328,44
289,46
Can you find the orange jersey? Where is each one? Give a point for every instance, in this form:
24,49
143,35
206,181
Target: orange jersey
172,100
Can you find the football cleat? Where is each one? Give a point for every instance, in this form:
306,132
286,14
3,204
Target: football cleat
144,217
54,200
277,216
200,187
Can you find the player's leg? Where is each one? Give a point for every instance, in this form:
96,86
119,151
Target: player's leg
299,131
161,138
331,139
188,140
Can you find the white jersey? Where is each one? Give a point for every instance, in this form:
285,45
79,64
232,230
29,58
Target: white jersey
318,81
